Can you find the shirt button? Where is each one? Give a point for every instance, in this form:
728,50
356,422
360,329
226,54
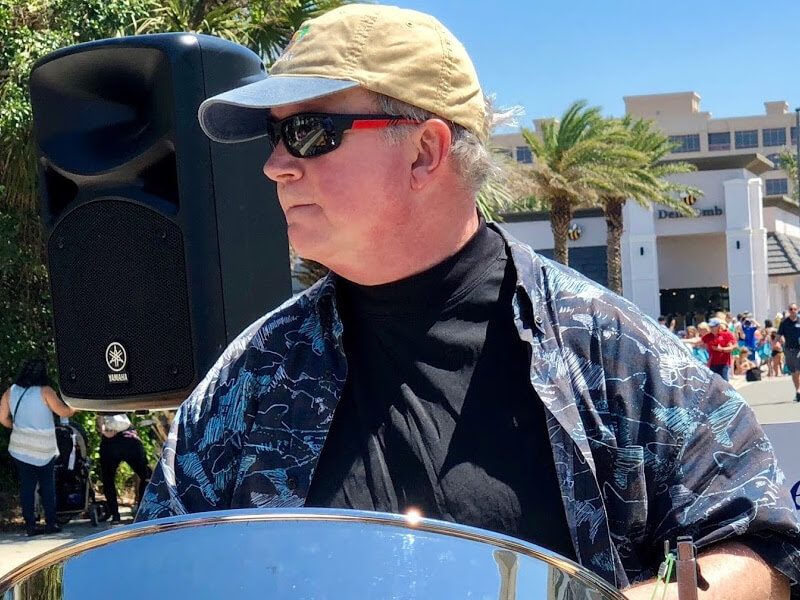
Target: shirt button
538,320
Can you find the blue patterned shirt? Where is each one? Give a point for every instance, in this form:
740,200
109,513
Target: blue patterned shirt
648,443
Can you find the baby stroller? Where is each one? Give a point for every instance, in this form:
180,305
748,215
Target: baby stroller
74,492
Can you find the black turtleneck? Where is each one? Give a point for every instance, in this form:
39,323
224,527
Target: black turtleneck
438,412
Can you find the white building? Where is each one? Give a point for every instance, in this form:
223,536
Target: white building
738,254
742,251
700,135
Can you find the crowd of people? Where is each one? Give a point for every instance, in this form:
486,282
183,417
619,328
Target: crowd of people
742,346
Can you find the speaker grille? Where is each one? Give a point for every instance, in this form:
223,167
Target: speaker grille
118,274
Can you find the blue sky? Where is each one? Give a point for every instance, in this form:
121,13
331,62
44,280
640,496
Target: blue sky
544,55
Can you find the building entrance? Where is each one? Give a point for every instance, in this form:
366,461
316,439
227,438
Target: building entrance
690,306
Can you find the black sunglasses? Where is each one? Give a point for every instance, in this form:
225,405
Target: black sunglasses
307,135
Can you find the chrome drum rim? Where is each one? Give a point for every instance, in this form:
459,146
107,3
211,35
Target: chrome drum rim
410,522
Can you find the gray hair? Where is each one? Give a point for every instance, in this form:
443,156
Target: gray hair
472,159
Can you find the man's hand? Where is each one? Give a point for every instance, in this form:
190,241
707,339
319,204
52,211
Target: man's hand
732,570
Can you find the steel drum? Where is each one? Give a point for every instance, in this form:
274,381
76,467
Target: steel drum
303,554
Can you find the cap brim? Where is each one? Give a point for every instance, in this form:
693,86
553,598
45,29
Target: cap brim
242,114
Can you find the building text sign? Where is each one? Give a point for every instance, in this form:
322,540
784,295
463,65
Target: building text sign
699,212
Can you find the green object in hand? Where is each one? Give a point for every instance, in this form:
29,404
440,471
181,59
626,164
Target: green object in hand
664,575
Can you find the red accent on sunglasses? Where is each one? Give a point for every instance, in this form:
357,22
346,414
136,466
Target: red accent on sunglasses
378,123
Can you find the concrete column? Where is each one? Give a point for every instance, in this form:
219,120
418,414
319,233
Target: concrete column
761,305
640,259
746,248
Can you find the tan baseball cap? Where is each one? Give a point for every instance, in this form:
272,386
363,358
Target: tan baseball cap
400,53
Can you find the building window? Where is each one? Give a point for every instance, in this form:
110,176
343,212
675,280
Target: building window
746,139
524,155
719,141
686,143
777,187
776,160
774,137
794,135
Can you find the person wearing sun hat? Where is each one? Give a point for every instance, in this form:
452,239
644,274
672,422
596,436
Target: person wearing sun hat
442,365
749,328
720,343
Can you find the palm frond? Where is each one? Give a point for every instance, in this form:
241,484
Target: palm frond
787,161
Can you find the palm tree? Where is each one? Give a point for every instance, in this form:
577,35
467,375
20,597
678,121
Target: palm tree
787,161
506,189
643,182
576,160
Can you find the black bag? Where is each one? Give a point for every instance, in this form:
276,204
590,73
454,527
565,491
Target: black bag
753,374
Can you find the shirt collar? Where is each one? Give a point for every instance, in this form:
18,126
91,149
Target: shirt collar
529,295
530,287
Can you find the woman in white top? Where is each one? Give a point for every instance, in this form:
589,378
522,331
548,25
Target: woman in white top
27,408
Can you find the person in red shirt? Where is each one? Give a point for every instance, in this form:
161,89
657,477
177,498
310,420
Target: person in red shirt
720,343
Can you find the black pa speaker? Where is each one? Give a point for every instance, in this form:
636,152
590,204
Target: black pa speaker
161,245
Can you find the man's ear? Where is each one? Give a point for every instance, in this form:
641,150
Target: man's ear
432,147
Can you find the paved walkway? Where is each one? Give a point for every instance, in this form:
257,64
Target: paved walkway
16,548
772,399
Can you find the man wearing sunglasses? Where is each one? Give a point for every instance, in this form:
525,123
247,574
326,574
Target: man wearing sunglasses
443,366
789,330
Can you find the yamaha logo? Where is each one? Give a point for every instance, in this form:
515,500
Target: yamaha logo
574,232
117,360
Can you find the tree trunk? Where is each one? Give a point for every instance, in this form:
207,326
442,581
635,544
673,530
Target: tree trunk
614,227
560,217
198,14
